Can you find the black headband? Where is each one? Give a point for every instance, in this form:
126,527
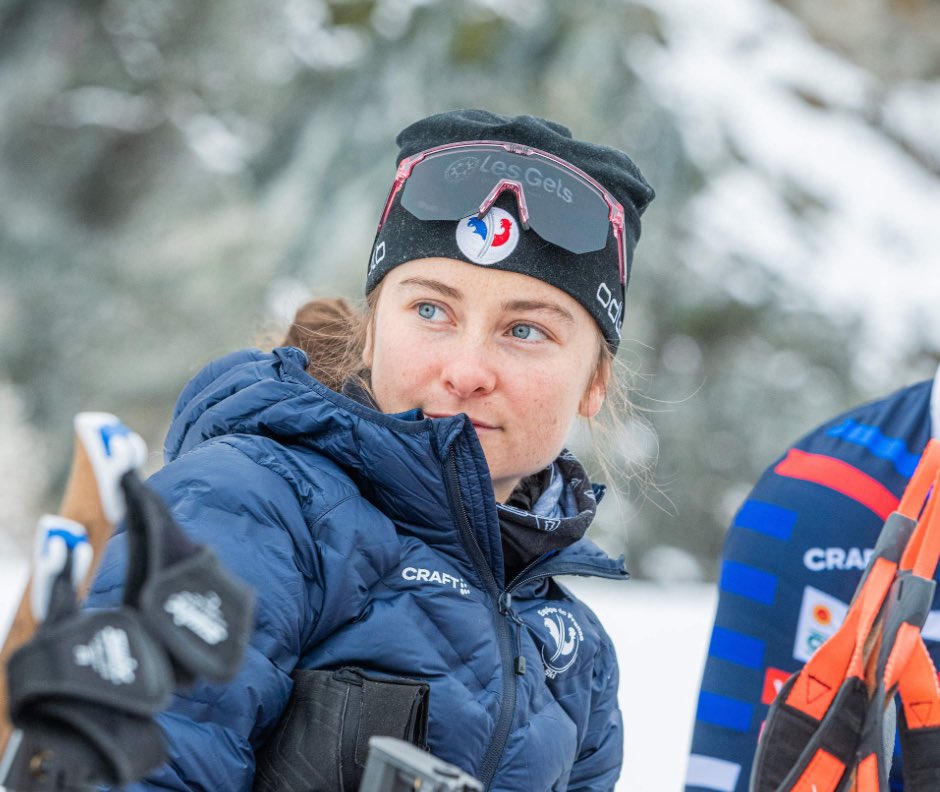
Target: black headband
498,240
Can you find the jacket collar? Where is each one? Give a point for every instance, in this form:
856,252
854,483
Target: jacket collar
400,462
396,460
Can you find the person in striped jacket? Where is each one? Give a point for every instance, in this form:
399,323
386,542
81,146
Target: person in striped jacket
792,559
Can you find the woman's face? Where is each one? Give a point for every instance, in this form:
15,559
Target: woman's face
515,354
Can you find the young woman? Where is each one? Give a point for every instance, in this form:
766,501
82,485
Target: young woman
402,519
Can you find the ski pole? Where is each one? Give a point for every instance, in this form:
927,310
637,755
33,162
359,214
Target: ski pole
105,449
85,687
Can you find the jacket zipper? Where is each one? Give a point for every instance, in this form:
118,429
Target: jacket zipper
564,568
511,625
503,628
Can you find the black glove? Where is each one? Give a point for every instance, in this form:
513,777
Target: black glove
84,692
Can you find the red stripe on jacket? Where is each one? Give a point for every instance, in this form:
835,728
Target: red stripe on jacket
839,476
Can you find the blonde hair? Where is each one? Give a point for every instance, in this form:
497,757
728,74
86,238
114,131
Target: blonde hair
332,333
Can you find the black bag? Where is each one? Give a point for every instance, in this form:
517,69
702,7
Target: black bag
322,740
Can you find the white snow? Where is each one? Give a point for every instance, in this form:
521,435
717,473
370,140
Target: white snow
13,572
660,634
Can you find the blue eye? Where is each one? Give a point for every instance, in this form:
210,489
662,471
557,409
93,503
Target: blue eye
527,332
427,310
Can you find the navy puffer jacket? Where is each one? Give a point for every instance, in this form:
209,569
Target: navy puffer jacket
373,541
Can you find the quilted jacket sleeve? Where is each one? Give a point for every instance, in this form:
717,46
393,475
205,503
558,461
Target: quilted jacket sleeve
252,518
598,764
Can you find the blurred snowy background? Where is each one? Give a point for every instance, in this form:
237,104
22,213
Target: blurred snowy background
176,177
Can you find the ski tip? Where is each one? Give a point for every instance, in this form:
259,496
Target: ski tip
113,449
56,538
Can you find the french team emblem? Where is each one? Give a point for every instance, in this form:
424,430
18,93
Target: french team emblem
488,239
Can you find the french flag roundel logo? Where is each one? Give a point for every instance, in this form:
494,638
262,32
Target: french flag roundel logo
488,239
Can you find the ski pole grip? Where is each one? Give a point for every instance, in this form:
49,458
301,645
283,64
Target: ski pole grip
104,448
81,501
81,504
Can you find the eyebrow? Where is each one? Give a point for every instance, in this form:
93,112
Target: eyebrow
440,288
509,305
539,305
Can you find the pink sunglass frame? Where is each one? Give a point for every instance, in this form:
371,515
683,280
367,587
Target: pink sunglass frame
614,214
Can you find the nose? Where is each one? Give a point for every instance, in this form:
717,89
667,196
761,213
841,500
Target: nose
469,372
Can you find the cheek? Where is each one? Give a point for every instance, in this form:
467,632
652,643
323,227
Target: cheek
400,374
547,405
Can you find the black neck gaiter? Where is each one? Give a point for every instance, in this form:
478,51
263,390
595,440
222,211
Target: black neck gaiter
548,510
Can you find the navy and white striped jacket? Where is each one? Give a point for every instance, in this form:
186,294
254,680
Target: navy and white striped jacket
791,562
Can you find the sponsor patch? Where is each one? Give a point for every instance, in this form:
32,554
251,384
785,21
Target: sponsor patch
435,577
774,679
821,615
826,559
488,239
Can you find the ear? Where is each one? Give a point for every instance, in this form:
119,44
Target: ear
593,398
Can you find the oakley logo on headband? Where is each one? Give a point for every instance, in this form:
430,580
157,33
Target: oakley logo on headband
488,239
612,305
464,168
560,202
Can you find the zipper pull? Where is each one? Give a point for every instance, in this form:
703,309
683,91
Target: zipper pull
505,603
505,608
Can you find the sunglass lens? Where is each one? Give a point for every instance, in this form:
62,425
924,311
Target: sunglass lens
563,208
447,186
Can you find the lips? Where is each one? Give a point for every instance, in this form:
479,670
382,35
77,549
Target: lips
477,424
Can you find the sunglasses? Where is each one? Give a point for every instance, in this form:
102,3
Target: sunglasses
558,201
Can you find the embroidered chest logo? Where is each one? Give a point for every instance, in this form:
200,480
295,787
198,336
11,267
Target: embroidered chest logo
561,650
422,575
821,615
